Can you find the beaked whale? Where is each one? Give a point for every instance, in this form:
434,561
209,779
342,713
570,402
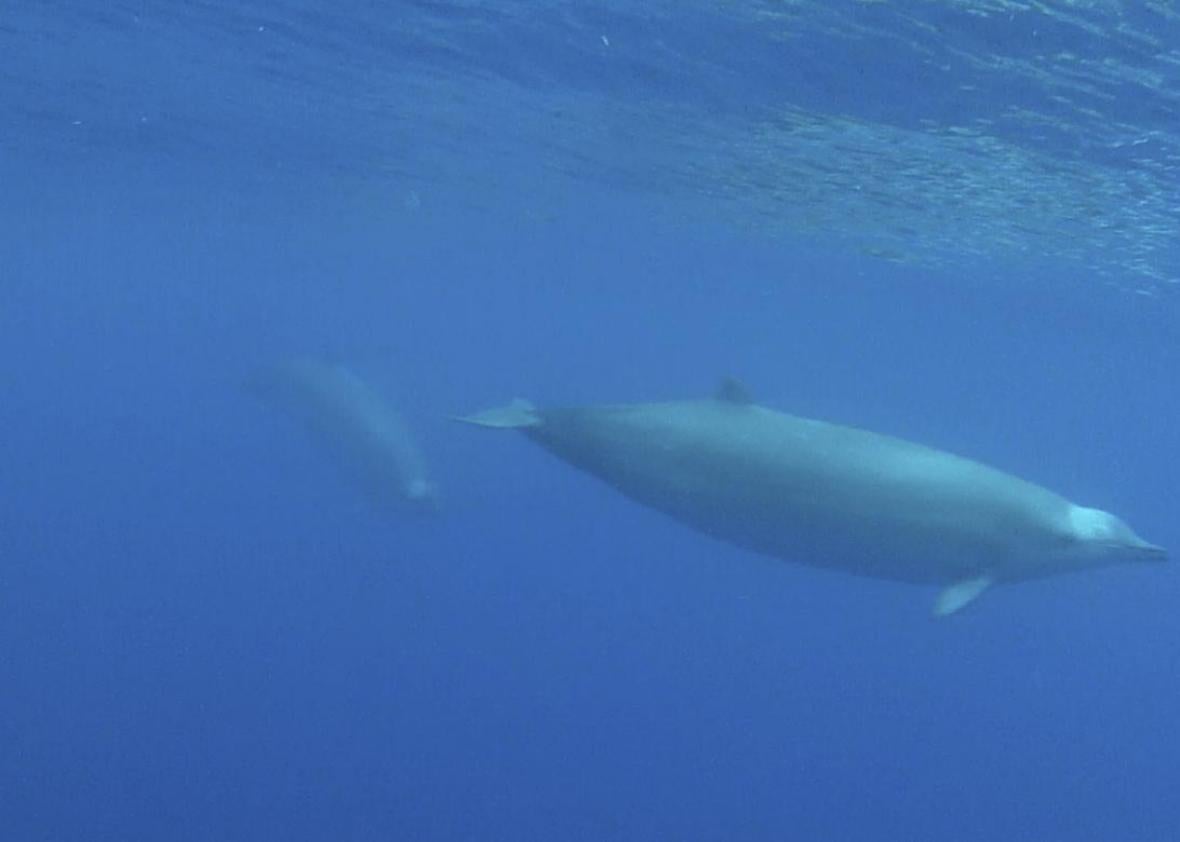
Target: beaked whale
828,495
354,422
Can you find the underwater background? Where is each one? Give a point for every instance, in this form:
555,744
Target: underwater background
950,221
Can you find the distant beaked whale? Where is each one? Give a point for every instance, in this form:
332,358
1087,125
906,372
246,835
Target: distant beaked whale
828,495
357,425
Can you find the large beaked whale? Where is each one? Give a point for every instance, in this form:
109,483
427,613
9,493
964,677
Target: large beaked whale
357,424
828,495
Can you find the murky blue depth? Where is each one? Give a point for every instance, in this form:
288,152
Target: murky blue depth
949,221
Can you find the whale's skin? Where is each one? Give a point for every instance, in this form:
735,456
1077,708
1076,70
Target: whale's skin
827,495
357,425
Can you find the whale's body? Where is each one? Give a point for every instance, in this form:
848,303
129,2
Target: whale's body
828,495
357,425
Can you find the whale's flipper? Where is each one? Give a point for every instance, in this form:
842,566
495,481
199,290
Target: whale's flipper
520,413
961,594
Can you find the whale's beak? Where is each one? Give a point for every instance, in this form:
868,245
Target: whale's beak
1143,551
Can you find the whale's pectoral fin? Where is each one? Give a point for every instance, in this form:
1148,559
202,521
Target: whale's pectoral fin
519,413
958,596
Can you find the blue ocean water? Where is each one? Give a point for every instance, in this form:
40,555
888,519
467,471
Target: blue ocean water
954,222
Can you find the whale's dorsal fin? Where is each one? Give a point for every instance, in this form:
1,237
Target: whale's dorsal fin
731,390
961,594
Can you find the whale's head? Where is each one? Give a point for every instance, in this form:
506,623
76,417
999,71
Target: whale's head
1097,537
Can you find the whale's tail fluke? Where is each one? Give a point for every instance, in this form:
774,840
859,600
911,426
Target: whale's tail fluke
516,415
